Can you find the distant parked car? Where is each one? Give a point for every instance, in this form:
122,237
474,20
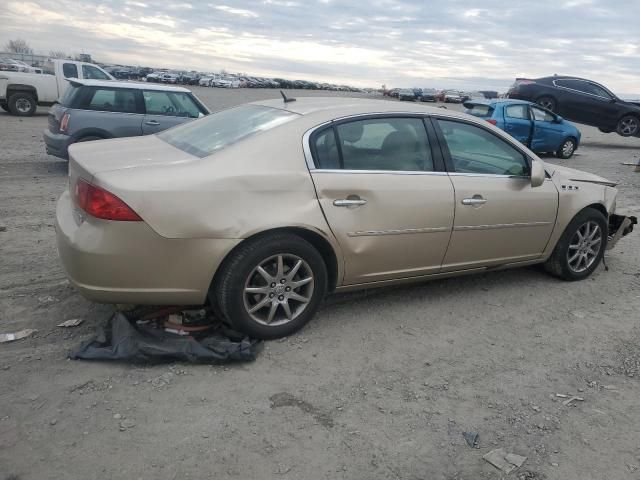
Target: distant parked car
582,101
406,94
153,77
489,93
95,109
169,78
530,124
428,95
452,96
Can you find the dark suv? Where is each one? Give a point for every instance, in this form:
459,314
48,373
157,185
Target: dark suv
98,109
582,101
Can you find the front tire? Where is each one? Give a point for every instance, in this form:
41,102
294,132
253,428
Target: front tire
22,104
580,248
567,148
4,106
547,102
628,126
271,286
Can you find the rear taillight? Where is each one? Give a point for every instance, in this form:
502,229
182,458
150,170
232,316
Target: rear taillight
100,203
492,121
64,123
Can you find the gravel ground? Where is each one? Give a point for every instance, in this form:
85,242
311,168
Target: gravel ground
380,385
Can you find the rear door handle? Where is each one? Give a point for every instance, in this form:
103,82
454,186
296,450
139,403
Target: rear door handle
474,201
152,122
349,202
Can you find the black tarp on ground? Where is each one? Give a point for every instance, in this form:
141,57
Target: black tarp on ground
122,339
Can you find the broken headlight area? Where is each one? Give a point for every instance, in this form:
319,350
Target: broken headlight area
619,226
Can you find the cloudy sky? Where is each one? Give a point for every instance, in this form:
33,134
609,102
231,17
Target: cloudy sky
465,43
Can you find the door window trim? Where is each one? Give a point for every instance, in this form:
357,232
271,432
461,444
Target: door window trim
309,137
447,155
585,93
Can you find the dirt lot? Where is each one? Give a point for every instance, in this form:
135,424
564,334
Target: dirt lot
380,385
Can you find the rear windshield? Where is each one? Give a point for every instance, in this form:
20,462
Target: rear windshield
479,110
204,136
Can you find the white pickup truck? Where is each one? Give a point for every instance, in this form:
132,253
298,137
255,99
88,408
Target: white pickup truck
21,93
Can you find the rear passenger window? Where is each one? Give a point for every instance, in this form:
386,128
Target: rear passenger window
517,111
326,150
476,150
69,70
112,100
393,144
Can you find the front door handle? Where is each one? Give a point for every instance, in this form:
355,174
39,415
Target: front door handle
349,202
152,122
477,200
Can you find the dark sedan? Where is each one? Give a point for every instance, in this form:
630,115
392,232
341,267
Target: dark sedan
582,101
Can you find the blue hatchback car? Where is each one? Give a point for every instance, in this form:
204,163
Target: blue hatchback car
537,128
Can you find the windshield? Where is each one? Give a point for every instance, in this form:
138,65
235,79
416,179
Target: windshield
214,132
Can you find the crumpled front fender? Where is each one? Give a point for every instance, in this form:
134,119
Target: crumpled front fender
619,226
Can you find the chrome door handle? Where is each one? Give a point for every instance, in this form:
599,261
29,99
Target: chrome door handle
349,202
473,201
152,122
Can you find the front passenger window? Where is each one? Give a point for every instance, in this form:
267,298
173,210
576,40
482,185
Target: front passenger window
476,150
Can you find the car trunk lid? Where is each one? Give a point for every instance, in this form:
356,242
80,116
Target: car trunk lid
91,158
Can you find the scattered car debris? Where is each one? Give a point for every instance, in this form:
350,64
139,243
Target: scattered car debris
561,395
507,462
570,400
471,438
126,424
74,322
158,337
10,337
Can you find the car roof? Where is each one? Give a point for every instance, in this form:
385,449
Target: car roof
496,101
120,84
329,108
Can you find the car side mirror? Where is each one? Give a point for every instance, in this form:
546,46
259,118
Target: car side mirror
537,173
558,119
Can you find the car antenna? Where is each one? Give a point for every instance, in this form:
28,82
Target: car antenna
285,98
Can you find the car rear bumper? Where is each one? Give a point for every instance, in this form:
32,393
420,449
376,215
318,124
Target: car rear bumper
57,144
127,262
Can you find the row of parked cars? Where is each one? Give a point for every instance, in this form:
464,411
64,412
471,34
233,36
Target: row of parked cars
222,80
433,95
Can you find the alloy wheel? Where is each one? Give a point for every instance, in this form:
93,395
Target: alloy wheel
546,103
278,290
567,148
23,105
584,247
628,126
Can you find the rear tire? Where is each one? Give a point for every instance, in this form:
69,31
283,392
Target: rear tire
576,259
628,126
22,104
605,130
547,102
567,148
260,293
4,106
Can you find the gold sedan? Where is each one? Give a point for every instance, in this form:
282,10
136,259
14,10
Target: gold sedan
264,208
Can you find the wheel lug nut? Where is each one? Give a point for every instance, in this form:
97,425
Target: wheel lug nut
281,297
273,285
283,281
288,289
271,295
